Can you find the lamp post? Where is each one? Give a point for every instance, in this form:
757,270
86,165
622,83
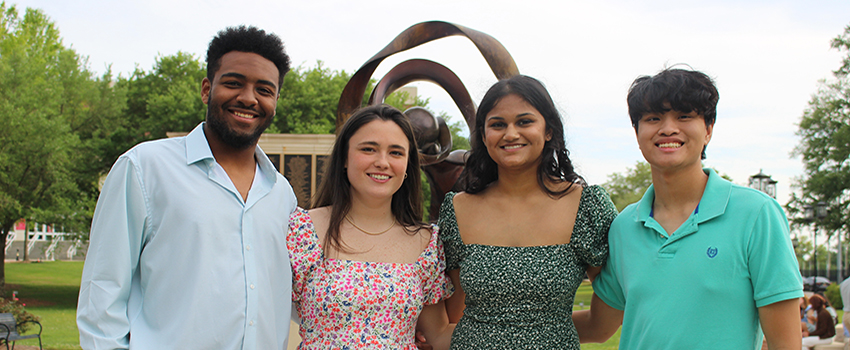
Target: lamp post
812,213
763,183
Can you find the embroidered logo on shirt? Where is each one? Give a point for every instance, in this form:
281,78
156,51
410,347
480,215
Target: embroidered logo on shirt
711,252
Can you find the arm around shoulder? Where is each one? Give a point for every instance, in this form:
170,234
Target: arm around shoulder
113,255
597,324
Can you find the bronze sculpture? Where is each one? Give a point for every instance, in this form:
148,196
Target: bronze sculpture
441,166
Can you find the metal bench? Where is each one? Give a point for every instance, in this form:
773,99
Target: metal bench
9,331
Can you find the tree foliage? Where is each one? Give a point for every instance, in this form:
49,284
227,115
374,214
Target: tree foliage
308,100
54,111
63,128
824,147
629,187
166,98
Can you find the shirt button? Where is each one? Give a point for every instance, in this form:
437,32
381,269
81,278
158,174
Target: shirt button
251,323
248,247
252,286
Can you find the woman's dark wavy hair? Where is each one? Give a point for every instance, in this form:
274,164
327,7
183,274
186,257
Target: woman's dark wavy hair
555,164
335,188
685,90
247,39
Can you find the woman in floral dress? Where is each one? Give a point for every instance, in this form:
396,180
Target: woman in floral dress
365,266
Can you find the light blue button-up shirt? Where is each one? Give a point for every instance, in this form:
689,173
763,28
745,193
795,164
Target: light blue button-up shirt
177,260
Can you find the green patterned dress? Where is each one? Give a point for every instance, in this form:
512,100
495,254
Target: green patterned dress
522,297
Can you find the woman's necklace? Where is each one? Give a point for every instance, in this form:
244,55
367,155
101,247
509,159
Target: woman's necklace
367,232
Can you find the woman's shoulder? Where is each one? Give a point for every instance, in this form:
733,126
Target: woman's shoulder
596,197
464,199
302,229
429,236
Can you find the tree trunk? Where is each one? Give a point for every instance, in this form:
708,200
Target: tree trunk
4,232
26,238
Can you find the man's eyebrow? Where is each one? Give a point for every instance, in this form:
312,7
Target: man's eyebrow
242,76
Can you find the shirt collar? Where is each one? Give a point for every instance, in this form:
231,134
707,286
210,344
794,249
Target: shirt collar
713,203
198,149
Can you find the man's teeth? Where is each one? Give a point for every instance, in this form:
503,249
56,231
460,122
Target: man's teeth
243,115
513,147
670,145
379,177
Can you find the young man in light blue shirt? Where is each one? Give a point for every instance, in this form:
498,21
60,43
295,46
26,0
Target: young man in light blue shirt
698,262
188,241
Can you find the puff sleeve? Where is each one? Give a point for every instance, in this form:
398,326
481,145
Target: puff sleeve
436,284
449,235
592,223
305,253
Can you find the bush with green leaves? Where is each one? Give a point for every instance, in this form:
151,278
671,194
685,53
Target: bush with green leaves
21,316
833,293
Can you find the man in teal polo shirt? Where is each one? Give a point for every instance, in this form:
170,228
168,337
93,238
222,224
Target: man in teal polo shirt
698,262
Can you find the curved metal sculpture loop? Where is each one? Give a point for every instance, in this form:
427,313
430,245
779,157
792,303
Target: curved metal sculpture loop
441,166
497,57
425,70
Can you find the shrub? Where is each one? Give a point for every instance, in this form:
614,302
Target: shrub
833,293
21,315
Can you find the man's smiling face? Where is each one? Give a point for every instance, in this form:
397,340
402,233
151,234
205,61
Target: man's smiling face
241,99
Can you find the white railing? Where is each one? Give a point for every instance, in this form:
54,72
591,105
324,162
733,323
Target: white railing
72,250
9,239
48,253
30,244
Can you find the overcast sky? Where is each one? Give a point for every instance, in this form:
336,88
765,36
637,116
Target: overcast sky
766,57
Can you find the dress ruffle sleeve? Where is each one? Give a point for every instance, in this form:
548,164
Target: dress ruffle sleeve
449,235
436,284
305,253
596,213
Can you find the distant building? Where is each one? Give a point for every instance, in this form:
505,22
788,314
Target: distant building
42,242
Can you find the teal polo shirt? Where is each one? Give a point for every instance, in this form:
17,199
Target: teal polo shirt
700,287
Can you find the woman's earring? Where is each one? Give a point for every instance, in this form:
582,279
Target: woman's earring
405,175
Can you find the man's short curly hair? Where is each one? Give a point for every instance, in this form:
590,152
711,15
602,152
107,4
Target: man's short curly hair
247,39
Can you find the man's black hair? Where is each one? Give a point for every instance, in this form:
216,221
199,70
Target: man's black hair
684,90
251,40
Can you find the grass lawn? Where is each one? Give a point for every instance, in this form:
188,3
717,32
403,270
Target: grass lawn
49,290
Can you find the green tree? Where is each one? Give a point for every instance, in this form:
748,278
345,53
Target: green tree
458,130
41,96
308,100
824,146
166,98
629,187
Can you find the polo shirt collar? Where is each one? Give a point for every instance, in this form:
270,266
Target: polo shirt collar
713,203
198,149
715,198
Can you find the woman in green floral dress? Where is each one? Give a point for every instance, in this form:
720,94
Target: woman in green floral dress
526,229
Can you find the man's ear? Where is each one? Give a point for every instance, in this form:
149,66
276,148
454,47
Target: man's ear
206,87
709,129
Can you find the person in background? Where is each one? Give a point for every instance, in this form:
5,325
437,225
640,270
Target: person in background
844,288
188,240
696,249
365,266
806,313
824,325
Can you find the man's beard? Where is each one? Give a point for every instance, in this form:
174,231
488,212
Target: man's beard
227,135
